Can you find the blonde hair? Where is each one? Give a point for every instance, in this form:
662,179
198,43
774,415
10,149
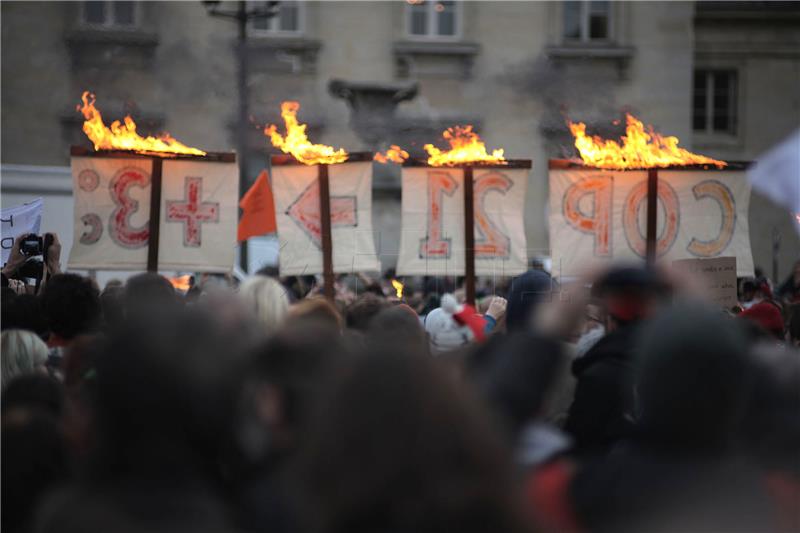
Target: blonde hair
21,352
267,298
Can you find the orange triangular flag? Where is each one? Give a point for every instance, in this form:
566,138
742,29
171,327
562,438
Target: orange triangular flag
258,210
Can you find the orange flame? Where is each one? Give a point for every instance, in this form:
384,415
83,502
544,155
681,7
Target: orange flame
181,283
465,147
123,136
639,149
296,142
398,287
395,154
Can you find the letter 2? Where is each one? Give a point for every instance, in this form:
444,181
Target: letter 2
491,242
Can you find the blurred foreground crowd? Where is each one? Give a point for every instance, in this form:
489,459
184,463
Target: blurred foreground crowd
617,403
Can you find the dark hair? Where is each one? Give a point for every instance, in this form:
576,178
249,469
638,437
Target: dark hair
363,310
23,311
113,306
148,291
34,458
515,373
165,393
401,447
34,391
71,304
692,379
398,326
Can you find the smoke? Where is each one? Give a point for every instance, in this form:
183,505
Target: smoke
577,89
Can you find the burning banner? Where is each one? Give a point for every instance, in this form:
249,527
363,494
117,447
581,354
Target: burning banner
301,181
435,196
158,204
598,210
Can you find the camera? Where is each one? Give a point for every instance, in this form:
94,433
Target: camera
32,245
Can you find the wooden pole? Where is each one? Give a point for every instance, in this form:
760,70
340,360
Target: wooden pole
155,215
325,225
652,216
469,236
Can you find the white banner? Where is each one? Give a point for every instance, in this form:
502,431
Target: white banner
296,192
432,237
598,216
19,220
112,212
199,213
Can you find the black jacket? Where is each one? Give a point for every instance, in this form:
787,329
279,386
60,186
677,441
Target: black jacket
601,412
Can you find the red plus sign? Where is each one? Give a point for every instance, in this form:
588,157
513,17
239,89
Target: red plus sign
192,212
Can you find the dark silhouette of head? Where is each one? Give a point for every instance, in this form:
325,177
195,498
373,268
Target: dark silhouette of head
164,394
22,311
692,379
401,447
71,304
398,326
526,292
148,291
361,312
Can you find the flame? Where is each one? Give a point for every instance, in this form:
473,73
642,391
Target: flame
395,154
465,147
398,287
182,283
124,136
639,149
296,142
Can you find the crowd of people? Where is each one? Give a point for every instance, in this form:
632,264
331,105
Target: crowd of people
624,402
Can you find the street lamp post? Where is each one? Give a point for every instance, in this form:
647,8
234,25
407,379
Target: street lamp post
242,16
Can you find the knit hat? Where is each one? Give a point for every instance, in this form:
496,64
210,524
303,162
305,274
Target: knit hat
452,325
767,315
526,292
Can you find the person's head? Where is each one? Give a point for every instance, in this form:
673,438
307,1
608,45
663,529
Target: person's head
34,391
23,311
34,457
316,310
22,352
525,293
398,326
629,294
515,374
766,315
691,379
112,302
71,304
164,394
148,291
400,446
287,373
772,423
452,326
361,312
267,299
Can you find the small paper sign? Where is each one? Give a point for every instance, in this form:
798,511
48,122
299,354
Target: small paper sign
718,276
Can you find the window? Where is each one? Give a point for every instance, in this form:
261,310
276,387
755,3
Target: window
433,20
287,21
109,14
714,101
586,21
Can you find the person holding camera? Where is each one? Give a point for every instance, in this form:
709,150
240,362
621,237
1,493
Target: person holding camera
33,258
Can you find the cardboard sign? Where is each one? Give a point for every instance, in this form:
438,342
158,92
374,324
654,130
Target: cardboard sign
112,212
718,276
19,220
432,238
598,216
296,191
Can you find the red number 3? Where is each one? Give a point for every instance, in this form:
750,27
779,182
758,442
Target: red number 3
120,228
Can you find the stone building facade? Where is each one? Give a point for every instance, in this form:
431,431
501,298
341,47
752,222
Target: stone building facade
722,76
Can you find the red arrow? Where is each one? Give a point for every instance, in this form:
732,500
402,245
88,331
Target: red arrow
305,212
